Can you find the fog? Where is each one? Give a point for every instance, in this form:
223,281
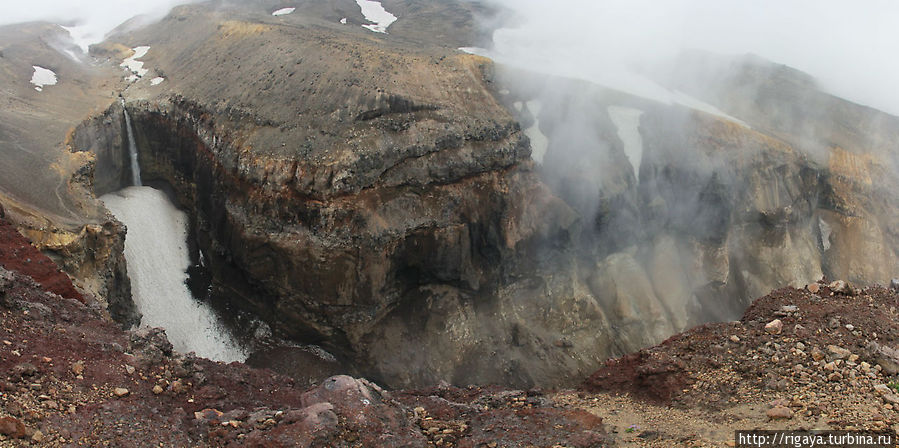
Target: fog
88,21
712,213
849,47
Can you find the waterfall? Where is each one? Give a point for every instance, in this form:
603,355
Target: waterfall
132,149
157,254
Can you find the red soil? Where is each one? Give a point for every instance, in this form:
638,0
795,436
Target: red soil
17,254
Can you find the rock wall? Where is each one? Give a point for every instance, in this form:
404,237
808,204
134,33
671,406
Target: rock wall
456,262
92,255
381,275
104,136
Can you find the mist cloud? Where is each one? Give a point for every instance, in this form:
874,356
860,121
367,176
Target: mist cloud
87,20
848,46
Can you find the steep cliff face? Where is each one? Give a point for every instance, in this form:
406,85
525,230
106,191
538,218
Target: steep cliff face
379,198
45,185
376,194
341,269
691,212
394,219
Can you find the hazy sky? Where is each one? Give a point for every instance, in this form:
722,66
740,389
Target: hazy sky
851,46
94,18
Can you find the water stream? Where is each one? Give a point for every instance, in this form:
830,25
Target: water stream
132,150
158,257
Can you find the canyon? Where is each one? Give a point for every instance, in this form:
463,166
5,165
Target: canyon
378,195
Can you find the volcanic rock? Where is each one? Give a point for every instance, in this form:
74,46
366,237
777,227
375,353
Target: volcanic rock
774,327
779,413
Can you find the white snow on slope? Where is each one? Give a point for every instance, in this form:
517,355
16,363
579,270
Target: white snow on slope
133,65
475,50
627,120
283,11
157,254
156,81
42,77
375,13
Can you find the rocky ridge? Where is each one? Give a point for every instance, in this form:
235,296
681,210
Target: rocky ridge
821,357
71,376
368,192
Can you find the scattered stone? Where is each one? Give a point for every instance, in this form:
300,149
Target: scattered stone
841,287
78,368
882,389
120,392
838,352
774,327
157,389
26,369
800,346
853,358
12,427
891,398
813,288
209,415
789,309
894,284
779,412
129,369
734,338
178,387
37,437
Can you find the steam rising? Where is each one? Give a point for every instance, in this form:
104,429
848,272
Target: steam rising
848,46
652,124
88,21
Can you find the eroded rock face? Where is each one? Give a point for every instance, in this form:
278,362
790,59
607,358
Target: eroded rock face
380,200
46,187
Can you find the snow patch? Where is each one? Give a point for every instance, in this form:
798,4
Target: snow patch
157,254
42,77
475,51
627,120
283,11
343,21
134,66
539,142
375,13
156,81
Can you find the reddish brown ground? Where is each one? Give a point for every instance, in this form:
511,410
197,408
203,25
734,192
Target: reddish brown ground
17,254
61,364
830,367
